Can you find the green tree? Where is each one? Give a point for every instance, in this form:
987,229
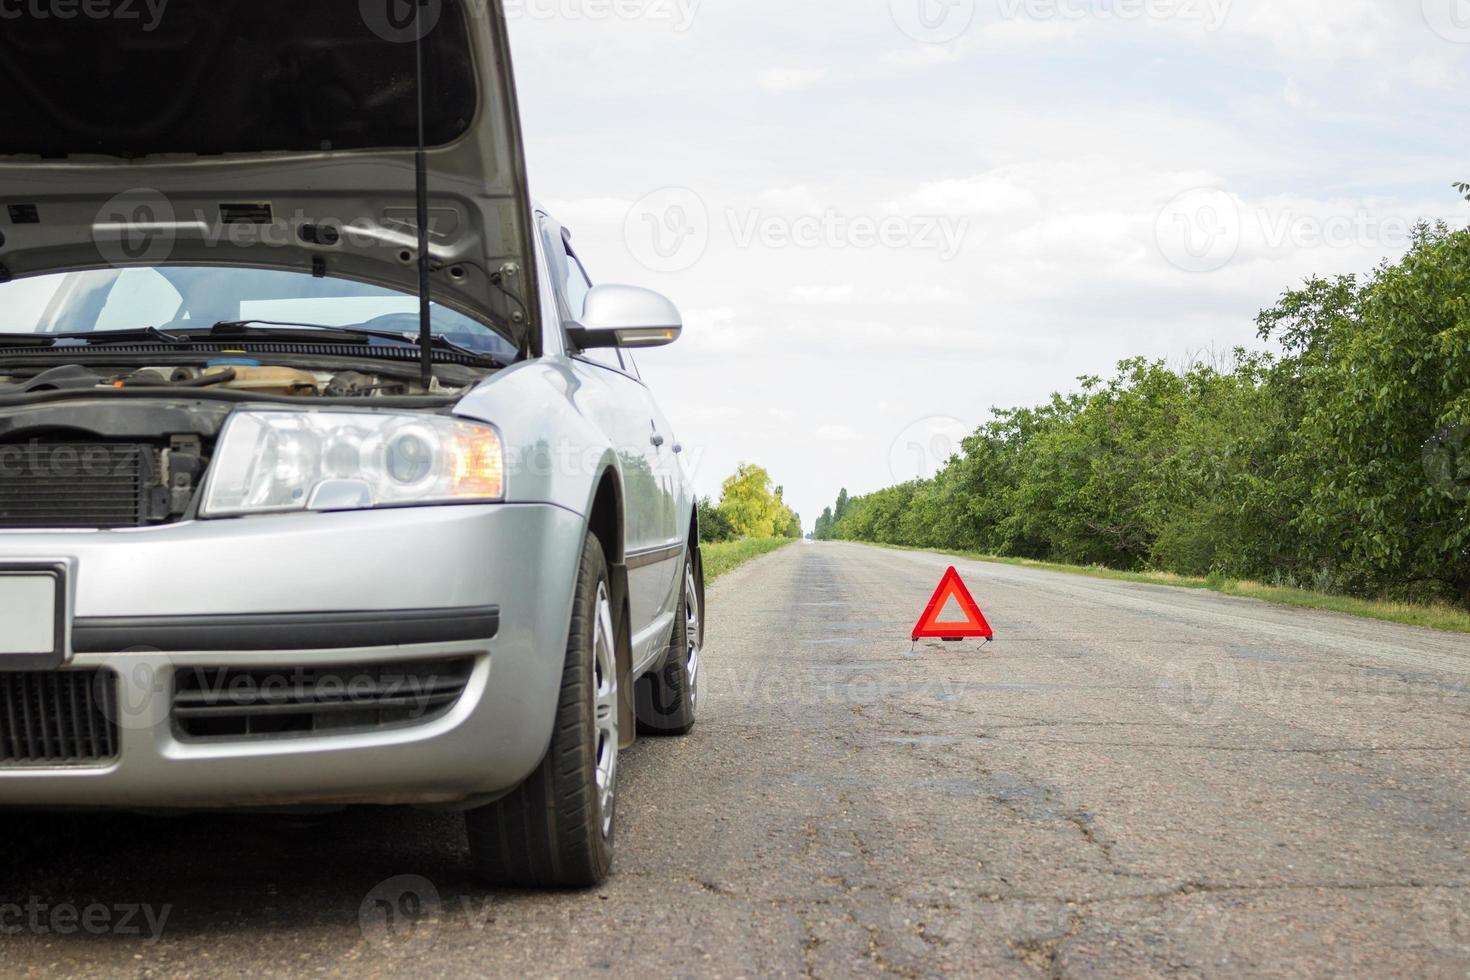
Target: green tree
1385,378
1341,463
754,507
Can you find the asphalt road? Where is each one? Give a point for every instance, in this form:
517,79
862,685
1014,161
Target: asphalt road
1132,780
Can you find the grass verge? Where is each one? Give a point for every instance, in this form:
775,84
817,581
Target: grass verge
1435,616
723,556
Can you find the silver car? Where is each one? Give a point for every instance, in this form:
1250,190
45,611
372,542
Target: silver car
327,477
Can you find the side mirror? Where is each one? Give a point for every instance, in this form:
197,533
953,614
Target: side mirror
626,316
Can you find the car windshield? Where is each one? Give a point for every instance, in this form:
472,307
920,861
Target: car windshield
183,297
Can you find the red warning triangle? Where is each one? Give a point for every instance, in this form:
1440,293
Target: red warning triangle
974,626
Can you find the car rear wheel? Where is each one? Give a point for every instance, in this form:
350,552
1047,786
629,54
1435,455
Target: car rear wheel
668,698
556,830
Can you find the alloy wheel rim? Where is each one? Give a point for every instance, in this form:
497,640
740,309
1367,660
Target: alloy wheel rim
605,706
691,633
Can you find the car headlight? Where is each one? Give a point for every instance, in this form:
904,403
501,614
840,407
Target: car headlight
271,461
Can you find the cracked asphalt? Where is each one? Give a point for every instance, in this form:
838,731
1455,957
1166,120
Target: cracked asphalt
1131,781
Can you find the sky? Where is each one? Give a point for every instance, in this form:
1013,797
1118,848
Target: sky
881,218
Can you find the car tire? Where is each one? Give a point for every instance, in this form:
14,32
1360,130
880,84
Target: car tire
557,829
668,698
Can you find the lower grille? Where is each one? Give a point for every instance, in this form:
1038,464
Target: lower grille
229,702
74,484
58,718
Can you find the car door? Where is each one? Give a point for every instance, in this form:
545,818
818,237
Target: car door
614,398
674,494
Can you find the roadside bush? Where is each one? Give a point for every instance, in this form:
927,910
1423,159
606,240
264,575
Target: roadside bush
714,526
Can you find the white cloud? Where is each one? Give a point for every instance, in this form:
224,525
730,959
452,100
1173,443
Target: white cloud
838,433
921,294
790,200
1019,30
1295,96
822,295
983,194
924,56
588,212
779,81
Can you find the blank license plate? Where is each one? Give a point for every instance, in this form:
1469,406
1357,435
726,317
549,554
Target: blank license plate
30,617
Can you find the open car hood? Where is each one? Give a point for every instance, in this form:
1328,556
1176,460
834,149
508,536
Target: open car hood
274,134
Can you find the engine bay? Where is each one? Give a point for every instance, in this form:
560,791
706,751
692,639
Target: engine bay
106,444
247,375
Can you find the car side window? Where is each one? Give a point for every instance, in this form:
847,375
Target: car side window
578,284
572,284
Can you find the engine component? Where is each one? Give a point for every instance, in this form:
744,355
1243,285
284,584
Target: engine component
355,384
266,380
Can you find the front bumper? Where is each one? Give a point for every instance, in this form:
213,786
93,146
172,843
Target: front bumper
266,573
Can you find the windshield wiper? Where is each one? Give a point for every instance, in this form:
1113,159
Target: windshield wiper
99,338
253,328
129,337
225,330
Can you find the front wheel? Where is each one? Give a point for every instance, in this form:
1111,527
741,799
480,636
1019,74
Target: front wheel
556,829
668,698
